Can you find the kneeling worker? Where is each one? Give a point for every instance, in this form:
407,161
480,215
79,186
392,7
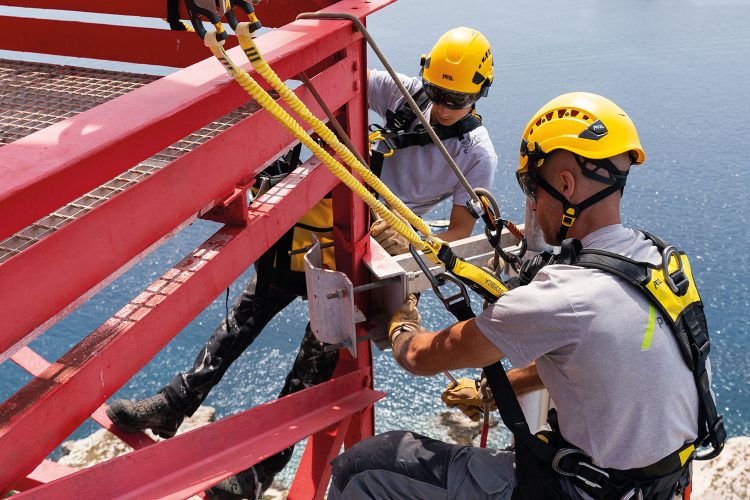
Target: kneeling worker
620,343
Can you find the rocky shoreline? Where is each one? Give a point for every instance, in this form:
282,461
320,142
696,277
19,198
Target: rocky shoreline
726,477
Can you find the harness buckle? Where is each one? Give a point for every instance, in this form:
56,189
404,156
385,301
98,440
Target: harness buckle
677,280
569,216
589,481
703,349
635,493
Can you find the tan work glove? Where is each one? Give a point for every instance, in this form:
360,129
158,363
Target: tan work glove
406,319
467,397
388,238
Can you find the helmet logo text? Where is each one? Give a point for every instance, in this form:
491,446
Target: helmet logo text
594,132
447,77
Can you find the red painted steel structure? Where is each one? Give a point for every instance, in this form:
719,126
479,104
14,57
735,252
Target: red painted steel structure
54,166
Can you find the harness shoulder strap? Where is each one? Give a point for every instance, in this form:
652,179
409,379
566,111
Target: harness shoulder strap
399,120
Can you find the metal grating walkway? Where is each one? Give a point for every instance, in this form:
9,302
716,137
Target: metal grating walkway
36,95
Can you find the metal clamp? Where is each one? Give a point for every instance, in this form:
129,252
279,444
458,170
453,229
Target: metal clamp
493,236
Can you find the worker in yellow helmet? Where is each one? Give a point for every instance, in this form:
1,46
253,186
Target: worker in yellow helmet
456,73
612,326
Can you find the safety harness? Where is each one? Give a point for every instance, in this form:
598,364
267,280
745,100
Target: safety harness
542,459
282,264
395,134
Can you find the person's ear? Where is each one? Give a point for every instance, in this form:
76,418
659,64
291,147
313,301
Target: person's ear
567,183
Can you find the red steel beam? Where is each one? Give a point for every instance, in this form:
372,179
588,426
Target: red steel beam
272,14
105,41
190,463
47,169
97,244
314,470
82,379
352,221
46,472
36,365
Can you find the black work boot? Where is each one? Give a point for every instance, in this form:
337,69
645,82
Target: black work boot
244,484
155,413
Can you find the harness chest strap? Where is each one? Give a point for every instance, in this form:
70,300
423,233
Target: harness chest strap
395,134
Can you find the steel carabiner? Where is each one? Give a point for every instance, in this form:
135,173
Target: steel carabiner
452,302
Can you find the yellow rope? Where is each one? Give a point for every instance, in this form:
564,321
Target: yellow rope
256,59
268,103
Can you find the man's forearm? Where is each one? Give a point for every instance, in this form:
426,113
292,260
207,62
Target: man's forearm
461,345
401,347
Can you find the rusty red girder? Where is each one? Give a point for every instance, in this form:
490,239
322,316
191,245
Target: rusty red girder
104,41
45,473
74,386
37,365
191,462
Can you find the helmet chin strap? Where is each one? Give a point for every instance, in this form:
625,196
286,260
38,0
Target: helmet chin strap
616,181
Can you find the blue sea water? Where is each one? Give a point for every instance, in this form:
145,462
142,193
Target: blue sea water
678,67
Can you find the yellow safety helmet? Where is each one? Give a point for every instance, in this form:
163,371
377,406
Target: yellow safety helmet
591,127
585,124
458,68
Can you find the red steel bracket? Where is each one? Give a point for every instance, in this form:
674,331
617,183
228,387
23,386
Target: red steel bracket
233,210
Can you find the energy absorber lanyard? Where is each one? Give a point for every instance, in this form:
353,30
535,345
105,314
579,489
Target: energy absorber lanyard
481,281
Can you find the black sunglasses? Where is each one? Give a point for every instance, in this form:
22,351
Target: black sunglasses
448,98
528,182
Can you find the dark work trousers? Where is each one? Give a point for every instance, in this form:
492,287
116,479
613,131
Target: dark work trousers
248,316
402,464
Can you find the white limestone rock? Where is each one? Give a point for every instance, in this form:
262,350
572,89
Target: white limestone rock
461,429
726,477
102,445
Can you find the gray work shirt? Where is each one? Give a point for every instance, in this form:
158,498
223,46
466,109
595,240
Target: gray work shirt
624,395
419,175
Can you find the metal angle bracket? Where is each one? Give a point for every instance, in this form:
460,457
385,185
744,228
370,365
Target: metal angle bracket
388,298
330,298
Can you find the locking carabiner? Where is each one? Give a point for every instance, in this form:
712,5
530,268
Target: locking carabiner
376,134
457,304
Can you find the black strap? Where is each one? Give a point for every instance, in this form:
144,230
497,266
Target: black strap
400,119
173,16
461,310
396,135
376,162
420,137
533,456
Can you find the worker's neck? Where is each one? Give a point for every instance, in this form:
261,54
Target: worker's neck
584,225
